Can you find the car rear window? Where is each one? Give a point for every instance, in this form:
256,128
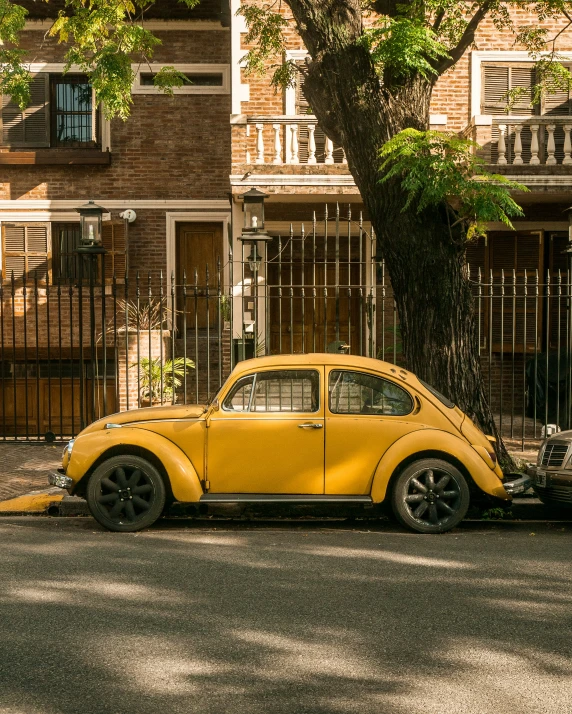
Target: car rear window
443,399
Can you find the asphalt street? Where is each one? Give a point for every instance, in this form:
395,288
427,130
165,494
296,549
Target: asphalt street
284,618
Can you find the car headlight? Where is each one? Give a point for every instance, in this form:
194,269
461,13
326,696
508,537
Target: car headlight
68,449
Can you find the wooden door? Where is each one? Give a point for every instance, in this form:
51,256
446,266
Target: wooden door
198,251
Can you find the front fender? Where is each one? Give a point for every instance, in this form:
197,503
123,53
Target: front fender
88,448
434,440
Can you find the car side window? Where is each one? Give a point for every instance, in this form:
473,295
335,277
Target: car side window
238,399
287,390
360,393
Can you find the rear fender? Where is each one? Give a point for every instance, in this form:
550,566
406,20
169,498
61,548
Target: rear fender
488,480
91,447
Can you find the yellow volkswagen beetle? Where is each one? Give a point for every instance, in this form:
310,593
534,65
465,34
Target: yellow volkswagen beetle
303,429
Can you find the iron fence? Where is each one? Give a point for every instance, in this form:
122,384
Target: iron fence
77,350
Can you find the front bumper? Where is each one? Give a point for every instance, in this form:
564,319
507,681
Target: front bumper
59,479
519,485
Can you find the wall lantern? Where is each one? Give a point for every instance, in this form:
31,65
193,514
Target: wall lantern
90,216
253,208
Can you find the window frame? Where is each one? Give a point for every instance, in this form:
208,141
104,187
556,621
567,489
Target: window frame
53,113
255,375
223,69
383,378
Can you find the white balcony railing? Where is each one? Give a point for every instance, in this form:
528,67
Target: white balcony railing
530,141
289,140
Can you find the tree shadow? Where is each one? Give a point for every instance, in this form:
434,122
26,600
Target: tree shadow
283,620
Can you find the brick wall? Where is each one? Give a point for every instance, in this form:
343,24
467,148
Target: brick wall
170,148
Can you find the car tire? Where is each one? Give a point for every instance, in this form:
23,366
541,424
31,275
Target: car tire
126,493
430,496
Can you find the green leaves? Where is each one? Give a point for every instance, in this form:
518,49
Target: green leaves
404,46
436,168
14,77
266,33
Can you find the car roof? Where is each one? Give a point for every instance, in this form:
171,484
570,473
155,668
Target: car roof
319,358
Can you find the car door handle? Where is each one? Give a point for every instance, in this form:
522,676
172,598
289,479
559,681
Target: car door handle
310,426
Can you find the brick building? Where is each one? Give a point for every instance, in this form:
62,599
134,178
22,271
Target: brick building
169,163
176,162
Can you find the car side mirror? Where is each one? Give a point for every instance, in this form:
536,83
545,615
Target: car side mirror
215,405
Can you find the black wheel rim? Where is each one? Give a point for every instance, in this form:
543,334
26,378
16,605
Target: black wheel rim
125,495
433,497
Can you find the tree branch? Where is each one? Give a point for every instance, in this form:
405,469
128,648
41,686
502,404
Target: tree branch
466,40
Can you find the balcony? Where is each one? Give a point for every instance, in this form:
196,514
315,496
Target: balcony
537,145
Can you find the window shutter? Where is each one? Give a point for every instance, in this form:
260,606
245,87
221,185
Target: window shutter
498,81
26,251
557,103
303,107
114,238
28,128
476,257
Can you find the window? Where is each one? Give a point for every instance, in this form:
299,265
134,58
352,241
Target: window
238,399
203,79
48,250
61,113
498,81
73,120
195,79
25,251
359,393
286,391
65,239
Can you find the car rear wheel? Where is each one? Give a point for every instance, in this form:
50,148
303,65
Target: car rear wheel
126,493
430,496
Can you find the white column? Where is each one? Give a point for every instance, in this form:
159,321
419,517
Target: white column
550,146
502,145
567,144
329,152
534,160
277,144
311,144
294,144
259,144
517,144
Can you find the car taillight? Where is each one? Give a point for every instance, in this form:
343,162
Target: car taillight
493,456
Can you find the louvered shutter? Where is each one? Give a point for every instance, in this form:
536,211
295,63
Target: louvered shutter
26,250
498,81
303,107
114,238
515,315
28,128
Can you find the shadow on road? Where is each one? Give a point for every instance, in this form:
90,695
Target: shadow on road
273,618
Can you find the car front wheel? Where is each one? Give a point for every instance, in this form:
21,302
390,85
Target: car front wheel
126,493
430,496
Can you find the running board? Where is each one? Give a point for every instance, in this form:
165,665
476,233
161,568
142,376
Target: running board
281,498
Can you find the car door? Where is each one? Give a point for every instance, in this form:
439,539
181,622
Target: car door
268,434
365,415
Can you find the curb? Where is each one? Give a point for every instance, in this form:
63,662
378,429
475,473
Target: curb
50,501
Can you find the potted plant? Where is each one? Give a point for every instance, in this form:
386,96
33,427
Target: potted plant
154,375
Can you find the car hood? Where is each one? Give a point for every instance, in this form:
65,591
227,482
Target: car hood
177,411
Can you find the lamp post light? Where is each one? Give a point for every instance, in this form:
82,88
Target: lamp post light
88,251
254,233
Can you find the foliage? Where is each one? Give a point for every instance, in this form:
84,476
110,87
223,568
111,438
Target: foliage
403,47
153,374
148,314
436,167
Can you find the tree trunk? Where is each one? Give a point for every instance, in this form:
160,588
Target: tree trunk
425,263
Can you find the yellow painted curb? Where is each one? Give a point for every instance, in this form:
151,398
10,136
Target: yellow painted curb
30,503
